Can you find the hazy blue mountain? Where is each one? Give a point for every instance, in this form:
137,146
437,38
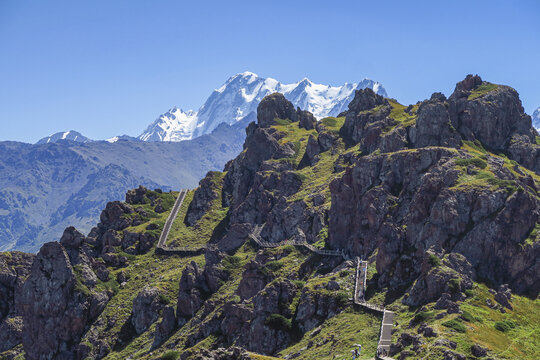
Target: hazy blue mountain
536,119
46,187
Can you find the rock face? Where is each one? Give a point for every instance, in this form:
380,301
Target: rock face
206,193
166,326
196,284
146,308
273,180
191,293
493,117
433,125
14,268
57,303
275,106
408,202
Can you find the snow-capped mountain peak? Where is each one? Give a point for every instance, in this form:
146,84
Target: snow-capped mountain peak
240,95
71,135
174,125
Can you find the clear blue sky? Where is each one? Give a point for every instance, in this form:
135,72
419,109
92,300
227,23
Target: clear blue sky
106,68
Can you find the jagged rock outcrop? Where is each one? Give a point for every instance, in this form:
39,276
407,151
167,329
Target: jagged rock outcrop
136,196
206,193
314,309
433,125
274,180
478,351
146,308
368,120
11,329
275,106
58,301
254,279
166,326
408,202
489,113
191,293
196,284
261,145
14,268
444,283
138,243
251,327
306,119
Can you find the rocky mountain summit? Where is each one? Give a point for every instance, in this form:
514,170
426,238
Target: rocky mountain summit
440,198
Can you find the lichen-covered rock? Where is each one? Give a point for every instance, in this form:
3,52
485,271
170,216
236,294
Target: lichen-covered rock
191,293
166,326
146,308
136,196
314,308
433,126
275,106
11,329
206,193
72,238
503,296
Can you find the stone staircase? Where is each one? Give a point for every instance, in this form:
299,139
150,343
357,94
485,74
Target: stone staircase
168,224
162,247
385,338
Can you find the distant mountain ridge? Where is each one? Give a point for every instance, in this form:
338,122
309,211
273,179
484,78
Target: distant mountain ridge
239,97
48,186
536,119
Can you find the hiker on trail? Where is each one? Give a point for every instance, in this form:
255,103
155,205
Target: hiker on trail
353,354
359,349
